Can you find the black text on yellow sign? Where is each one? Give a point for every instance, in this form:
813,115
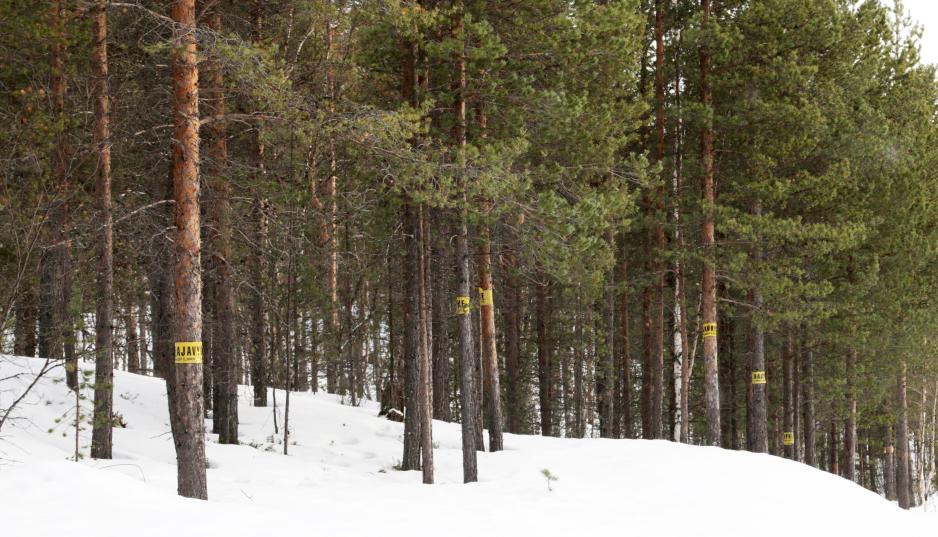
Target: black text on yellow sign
709,330
188,352
788,438
758,377
485,297
462,305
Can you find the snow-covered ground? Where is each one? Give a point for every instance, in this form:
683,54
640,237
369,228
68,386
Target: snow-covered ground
339,480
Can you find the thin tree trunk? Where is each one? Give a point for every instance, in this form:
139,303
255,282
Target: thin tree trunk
259,256
101,442
224,358
758,410
903,482
186,392
708,281
413,277
788,395
425,386
515,388
808,421
440,291
24,342
467,388
579,393
833,453
55,282
605,369
850,432
544,368
134,361
624,355
490,381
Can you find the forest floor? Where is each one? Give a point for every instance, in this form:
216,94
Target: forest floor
339,479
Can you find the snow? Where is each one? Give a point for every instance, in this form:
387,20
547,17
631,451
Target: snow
339,479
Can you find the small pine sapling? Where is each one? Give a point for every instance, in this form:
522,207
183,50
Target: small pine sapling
550,478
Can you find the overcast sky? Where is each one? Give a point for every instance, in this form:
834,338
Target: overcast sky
926,13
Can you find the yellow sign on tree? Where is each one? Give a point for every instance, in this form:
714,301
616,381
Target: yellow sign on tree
710,330
788,438
188,352
462,305
485,297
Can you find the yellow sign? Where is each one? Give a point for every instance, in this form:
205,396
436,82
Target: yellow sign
710,330
462,305
788,438
758,377
485,297
188,352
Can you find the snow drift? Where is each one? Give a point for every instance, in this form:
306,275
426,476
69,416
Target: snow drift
339,479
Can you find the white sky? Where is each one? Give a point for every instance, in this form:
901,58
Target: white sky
926,13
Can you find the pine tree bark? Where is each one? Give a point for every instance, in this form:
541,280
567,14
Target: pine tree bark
708,280
224,351
467,383
833,456
440,291
788,393
606,380
624,354
131,317
55,281
101,442
515,404
758,410
808,421
425,386
850,432
412,279
162,288
259,256
903,478
329,224
490,379
544,368
24,333
186,393
889,464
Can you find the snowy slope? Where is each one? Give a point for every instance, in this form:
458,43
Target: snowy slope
339,480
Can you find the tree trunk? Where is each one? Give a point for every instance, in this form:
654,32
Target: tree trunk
490,381
624,355
224,357
708,280
186,393
55,281
605,368
544,368
850,432
758,409
425,386
259,256
903,482
101,443
514,376
808,421
833,453
440,291
131,316
467,388
24,341
788,395
889,464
